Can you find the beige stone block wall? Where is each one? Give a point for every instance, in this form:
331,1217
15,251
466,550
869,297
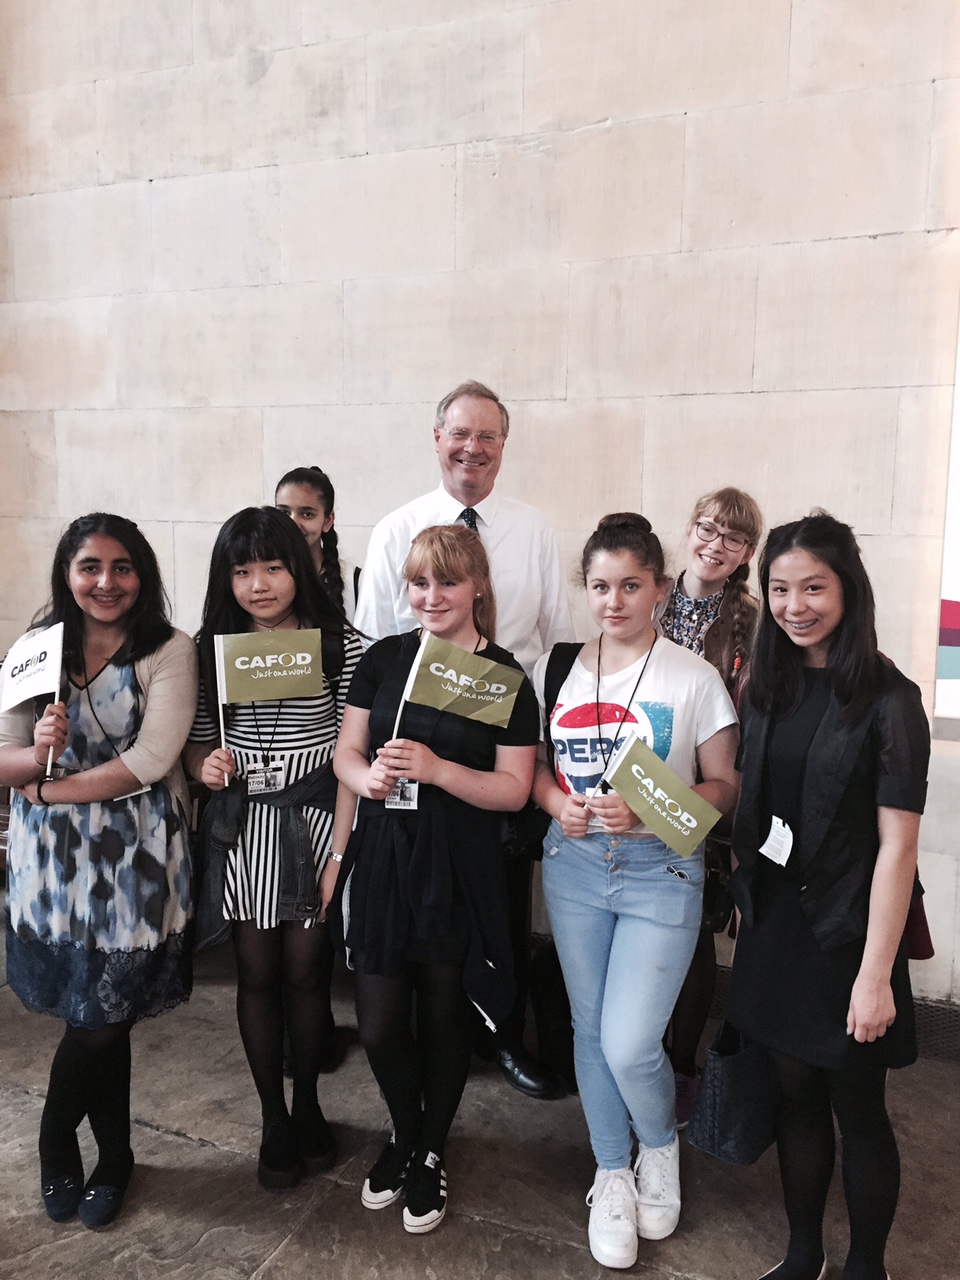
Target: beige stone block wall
369,216
60,249
215,230
690,243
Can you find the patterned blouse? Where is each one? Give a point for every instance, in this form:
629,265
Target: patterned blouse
687,621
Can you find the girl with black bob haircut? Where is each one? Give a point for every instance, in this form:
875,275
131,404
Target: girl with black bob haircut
99,870
271,824
263,534
834,752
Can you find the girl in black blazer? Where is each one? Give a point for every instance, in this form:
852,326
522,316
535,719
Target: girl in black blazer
834,753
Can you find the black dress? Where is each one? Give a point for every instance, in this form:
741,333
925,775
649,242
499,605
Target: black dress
787,992
427,885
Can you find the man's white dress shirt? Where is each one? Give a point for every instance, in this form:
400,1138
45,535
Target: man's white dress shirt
533,611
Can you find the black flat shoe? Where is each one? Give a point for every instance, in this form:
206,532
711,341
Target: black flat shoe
102,1201
61,1196
99,1206
278,1166
316,1144
521,1070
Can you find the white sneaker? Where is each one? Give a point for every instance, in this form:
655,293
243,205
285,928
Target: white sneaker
613,1218
658,1190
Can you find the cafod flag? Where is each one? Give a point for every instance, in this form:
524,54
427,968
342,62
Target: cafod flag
451,679
32,667
659,798
256,665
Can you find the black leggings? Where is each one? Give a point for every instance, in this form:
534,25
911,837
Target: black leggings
422,1076
870,1163
89,1076
280,979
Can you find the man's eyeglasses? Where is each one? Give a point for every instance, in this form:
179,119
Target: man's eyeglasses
732,541
460,436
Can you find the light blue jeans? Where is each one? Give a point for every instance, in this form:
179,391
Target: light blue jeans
625,915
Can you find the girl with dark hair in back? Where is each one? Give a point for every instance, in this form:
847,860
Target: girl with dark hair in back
624,908
261,579
99,872
306,495
834,765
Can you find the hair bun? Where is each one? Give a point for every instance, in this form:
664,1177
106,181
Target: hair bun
626,520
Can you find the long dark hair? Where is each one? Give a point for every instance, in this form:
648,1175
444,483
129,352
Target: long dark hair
775,684
331,575
264,533
625,531
147,624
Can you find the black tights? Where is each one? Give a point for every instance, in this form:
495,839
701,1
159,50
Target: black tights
422,1077
870,1164
280,978
89,1076
692,1009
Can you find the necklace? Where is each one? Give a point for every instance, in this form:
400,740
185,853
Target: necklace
265,626
605,756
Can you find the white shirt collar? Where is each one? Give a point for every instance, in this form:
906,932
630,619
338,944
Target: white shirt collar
486,510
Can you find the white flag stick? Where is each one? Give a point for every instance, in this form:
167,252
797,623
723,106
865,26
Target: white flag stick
424,641
221,695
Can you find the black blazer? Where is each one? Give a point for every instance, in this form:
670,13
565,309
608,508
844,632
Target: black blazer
850,771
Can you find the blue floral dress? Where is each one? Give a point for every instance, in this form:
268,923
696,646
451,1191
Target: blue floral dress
98,899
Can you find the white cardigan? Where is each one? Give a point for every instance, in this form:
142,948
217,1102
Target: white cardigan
169,681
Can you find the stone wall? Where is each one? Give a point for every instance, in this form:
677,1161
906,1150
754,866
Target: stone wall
690,243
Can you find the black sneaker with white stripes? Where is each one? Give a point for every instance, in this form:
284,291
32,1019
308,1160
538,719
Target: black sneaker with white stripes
384,1182
426,1194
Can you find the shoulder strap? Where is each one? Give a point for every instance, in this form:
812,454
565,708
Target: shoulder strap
356,583
559,665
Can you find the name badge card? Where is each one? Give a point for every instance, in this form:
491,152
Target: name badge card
403,796
778,843
264,778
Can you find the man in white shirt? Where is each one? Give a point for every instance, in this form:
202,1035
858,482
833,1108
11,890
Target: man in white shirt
533,614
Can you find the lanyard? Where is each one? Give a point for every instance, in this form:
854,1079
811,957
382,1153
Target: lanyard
606,757
93,711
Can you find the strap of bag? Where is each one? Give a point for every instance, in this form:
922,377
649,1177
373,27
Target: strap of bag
559,665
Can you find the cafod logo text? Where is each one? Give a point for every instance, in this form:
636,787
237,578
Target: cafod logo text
655,793
275,664
23,667
467,682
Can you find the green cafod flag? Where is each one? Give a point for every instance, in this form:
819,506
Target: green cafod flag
661,800
256,665
449,678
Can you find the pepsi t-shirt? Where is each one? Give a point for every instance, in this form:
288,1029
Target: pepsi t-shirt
679,703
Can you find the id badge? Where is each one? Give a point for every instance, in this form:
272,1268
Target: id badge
778,843
403,795
264,778
140,791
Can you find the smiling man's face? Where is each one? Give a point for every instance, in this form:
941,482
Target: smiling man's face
470,448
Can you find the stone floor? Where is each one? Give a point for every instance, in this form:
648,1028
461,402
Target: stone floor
518,1171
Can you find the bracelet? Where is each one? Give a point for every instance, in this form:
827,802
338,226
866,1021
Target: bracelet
45,778
335,857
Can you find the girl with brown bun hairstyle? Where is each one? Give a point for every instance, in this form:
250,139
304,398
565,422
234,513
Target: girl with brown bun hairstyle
625,909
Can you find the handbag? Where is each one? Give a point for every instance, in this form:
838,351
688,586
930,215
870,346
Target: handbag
735,1116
